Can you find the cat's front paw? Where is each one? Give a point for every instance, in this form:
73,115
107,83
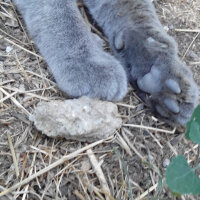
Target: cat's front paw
97,77
172,90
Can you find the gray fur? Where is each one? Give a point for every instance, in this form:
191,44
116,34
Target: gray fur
74,56
138,40
149,56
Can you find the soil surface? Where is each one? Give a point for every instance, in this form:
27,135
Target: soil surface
135,157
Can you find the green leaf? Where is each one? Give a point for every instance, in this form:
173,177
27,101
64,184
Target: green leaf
194,132
181,178
193,127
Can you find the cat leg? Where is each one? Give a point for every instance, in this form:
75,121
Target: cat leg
76,60
149,55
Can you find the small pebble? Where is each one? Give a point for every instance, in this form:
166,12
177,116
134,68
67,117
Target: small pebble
2,58
150,157
166,162
146,133
166,28
139,108
9,49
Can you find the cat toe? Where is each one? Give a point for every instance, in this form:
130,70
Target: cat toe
151,82
173,86
119,41
161,111
172,105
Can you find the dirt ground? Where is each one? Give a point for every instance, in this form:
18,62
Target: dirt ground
134,158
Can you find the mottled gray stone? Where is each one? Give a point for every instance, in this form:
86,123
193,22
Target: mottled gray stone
81,119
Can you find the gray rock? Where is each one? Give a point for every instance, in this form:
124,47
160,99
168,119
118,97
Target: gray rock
166,162
81,119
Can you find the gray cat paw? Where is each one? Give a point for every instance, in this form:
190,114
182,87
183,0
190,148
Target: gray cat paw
102,78
74,55
162,79
171,90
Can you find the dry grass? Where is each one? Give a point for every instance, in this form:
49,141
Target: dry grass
126,166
